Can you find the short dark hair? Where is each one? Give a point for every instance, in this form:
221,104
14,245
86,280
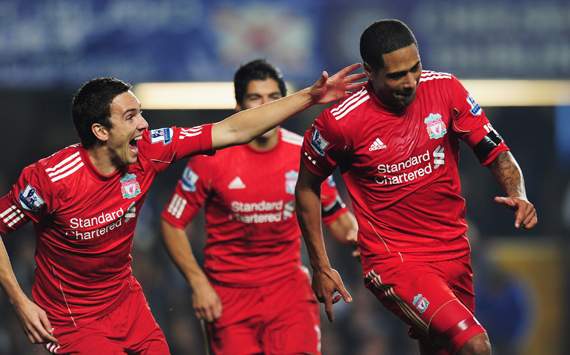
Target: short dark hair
383,37
92,104
258,69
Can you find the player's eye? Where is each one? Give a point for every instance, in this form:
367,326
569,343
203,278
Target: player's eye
397,75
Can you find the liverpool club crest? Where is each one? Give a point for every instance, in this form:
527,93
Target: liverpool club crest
290,181
435,126
130,187
420,302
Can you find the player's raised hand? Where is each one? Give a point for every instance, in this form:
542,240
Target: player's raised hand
525,213
35,322
205,301
328,89
326,283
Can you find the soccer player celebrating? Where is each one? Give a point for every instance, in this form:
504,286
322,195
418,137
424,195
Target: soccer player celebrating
396,142
84,201
254,293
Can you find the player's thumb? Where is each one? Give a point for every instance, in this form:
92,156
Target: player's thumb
344,293
324,77
47,326
505,201
218,309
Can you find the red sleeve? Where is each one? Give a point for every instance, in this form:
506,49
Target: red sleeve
11,214
323,145
191,191
470,122
331,202
165,145
29,199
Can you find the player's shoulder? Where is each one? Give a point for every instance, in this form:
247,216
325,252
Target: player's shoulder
211,163
62,164
290,138
152,138
350,107
208,160
435,78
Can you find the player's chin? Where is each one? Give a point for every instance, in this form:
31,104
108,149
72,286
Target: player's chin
406,100
130,158
133,159
269,133
132,155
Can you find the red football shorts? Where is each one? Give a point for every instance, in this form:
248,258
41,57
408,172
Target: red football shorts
435,298
279,318
129,328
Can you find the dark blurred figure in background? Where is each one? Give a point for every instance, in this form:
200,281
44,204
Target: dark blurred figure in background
503,303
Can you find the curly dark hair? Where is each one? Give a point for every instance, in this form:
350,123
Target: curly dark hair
258,69
383,37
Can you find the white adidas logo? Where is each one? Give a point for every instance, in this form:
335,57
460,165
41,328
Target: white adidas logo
236,184
377,145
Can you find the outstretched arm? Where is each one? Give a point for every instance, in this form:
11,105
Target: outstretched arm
245,125
205,300
34,319
509,175
326,280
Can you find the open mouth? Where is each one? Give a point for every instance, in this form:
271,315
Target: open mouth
133,144
404,97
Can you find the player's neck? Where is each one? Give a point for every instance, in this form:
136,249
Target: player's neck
262,144
102,161
383,102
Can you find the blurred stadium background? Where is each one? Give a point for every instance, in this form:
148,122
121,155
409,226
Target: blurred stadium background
48,48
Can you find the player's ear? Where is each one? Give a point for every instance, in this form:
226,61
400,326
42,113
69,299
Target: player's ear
100,132
367,69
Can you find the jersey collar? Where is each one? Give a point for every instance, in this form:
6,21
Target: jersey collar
91,168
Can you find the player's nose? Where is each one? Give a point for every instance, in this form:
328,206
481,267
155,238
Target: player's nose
410,81
142,124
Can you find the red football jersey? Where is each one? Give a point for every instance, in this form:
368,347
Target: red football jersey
85,221
401,171
249,196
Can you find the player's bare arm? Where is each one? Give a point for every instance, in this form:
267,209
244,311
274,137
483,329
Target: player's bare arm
205,301
245,125
33,318
344,229
326,280
509,175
